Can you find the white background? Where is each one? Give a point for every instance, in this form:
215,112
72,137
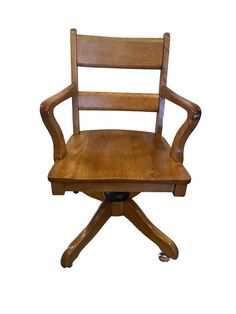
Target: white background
119,271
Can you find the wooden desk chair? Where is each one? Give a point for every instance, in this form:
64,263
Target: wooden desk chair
115,165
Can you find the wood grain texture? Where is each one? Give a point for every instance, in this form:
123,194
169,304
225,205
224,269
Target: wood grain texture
101,161
46,111
89,187
114,52
165,60
58,188
103,213
117,208
118,101
135,215
74,79
193,117
118,156
180,190
163,81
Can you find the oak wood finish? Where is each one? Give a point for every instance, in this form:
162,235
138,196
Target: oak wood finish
180,190
163,81
135,187
46,110
58,188
103,213
117,208
131,211
101,161
118,101
193,117
114,52
99,157
74,79
140,220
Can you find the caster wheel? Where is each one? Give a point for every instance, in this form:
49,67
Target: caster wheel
76,192
69,266
163,258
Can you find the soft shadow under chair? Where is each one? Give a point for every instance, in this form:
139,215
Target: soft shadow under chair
115,165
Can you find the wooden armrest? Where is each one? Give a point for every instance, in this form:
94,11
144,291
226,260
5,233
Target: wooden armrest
194,114
46,111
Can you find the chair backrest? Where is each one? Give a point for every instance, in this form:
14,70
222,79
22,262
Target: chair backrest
113,52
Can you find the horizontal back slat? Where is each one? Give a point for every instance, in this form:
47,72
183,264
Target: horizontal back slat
114,52
118,101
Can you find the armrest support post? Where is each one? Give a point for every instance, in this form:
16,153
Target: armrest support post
47,114
193,117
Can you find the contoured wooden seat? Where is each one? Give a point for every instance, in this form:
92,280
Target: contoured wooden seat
115,165
96,157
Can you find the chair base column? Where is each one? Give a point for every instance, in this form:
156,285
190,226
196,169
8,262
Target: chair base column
117,204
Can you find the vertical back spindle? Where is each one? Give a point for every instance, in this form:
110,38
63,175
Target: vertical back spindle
163,81
74,78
